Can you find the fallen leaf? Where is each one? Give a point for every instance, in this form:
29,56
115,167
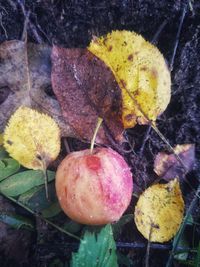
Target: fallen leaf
16,221
25,77
8,167
141,72
51,211
35,198
159,211
167,166
22,182
86,89
13,77
96,249
72,226
1,139
32,138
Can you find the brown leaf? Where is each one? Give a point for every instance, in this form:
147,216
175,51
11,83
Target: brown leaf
167,166
24,81
13,79
86,89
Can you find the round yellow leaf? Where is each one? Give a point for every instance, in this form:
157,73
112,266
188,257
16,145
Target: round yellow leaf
141,72
32,138
159,211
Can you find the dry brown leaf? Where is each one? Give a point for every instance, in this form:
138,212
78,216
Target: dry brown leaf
167,166
86,89
23,81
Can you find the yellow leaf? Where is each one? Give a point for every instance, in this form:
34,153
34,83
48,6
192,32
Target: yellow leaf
32,138
140,71
1,139
159,211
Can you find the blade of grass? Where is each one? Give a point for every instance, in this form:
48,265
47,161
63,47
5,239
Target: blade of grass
182,228
197,259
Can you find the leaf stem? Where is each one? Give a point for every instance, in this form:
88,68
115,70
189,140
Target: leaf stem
99,122
39,216
46,183
44,169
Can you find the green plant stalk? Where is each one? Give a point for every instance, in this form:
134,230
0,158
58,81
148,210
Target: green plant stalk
40,216
197,259
182,228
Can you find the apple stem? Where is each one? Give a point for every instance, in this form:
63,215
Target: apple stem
99,122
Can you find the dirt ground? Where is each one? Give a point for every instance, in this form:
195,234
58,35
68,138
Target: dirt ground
72,24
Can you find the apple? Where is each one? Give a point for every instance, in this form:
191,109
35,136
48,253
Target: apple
94,188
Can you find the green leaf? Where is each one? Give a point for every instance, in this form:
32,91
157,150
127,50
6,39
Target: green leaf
25,197
183,255
96,249
197,258
56,263
3,153
118,226
21,182
36,199
51,211
190,220
124,260
72,227
16,221
8,167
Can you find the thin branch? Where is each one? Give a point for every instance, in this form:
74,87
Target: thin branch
2,26
66,144
146,137
157,34
178,36
29,23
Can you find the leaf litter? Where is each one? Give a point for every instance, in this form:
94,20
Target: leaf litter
64,111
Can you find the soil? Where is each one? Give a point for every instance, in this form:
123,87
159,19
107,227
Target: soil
72,24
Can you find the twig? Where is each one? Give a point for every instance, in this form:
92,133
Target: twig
40,216
148,247
24,33
153,125
157,34
124,245
67,148
29,23
191,7
146,137
2,26
178,36
41,30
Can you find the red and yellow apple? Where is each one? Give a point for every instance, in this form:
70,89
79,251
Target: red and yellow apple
94,188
